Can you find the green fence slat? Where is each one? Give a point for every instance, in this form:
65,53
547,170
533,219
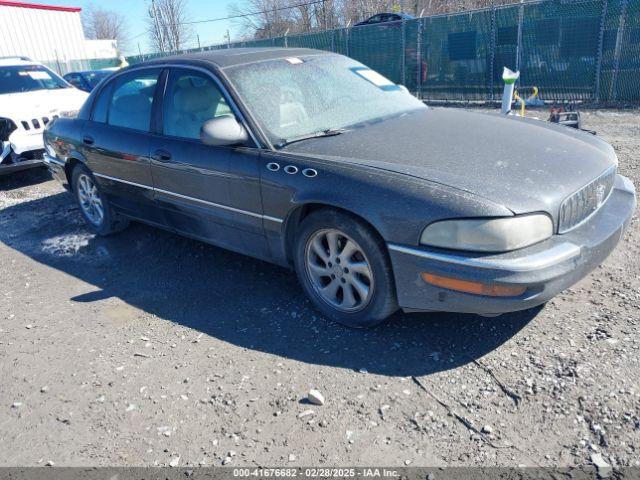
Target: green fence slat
569,50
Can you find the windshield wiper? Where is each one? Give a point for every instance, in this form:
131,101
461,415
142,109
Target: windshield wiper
329,132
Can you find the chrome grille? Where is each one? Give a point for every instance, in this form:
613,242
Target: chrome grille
579,206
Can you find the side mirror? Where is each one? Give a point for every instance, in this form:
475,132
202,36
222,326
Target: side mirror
223,131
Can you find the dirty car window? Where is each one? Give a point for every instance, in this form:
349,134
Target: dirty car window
297,96
26,78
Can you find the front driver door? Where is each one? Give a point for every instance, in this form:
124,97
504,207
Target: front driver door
211,193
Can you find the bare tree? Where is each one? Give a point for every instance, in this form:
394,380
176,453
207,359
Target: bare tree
169,28
272,18
101,24
263,18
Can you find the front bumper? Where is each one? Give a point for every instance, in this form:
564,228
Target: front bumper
10,162
21,152
26,141
7,168
546,268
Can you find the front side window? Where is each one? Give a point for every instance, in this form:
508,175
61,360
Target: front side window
191,99
132,97
27,78
294,97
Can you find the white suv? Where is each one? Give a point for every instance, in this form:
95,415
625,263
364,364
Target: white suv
31,96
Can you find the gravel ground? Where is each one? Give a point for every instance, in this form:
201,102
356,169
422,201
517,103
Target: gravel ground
150,349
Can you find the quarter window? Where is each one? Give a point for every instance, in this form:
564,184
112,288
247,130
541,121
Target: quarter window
192,98
101,104
130,105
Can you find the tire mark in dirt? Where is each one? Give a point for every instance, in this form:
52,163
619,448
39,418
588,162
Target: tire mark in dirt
505,389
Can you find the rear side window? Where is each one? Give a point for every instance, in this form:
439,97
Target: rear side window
131,100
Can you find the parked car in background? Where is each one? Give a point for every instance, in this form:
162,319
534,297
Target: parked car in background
385,18
87,80
312,160
31,96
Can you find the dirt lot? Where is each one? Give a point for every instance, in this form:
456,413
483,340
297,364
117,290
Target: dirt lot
145,347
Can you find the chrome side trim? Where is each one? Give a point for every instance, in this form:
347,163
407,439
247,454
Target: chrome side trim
193,199
114,179
211,204
535,261
272,219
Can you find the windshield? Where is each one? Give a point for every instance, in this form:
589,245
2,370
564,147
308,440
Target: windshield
301,96
26,78
94,78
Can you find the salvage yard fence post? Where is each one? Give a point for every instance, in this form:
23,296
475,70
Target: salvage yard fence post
419,61
613,95
492,53
603,17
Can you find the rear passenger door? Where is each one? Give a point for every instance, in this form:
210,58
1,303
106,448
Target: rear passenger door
116,142
208,192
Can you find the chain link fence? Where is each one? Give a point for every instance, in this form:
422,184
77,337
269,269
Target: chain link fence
571,50
63,67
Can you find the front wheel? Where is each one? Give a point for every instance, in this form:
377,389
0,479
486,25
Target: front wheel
344,268
93,204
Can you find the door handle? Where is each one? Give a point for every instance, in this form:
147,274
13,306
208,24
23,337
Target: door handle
88,140
161,156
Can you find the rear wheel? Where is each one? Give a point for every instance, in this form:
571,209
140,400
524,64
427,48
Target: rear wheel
94,205
343,267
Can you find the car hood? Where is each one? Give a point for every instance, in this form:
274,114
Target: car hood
524,164
40,103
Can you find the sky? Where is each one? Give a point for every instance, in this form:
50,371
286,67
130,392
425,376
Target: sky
135,11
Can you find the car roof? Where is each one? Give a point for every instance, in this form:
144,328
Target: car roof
406,16
82,72
230,57
15,61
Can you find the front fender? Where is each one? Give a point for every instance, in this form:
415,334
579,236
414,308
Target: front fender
398,206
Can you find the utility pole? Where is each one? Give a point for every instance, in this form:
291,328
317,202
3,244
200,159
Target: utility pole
228,37
198,37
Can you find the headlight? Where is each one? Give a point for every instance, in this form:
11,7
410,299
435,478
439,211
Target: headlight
488,235
69,113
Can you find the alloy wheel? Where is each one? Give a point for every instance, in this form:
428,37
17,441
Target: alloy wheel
89,200
339,271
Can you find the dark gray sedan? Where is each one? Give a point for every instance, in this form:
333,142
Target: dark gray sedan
312,160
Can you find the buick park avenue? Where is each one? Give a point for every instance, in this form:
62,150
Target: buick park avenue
311,160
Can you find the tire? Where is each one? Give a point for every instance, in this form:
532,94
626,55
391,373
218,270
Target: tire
335,289
106,223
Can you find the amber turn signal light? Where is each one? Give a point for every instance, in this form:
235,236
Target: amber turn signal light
476,288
